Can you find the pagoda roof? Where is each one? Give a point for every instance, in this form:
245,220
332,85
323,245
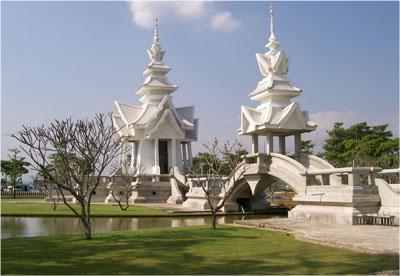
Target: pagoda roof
147,116
156,67
152,84
120,125
286,119
128,112
275,87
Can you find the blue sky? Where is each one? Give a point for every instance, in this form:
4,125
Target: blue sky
62,59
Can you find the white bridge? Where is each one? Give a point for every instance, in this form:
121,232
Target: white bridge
323,193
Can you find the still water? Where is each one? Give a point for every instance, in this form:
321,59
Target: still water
47,226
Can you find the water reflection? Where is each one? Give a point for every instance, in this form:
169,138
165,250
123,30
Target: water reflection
46,226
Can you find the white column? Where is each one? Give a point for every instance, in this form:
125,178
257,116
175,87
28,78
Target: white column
297,144
184,152
132,154
270,143
282,144
173,153
156,162
136,149
190,152
121,152
254,143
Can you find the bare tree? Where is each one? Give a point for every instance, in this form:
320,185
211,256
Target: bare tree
83,148
217,172
44,186
125,180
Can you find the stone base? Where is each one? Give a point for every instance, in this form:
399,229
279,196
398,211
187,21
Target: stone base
197,200
196,203
328,214
151,192
230,207
338,204
175,200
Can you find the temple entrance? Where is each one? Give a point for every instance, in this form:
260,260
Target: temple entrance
163,156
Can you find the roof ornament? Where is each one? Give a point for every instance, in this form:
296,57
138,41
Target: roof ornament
273,41
156,53
156,38
272,26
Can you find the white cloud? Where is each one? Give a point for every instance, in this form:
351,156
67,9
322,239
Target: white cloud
224,21
145,12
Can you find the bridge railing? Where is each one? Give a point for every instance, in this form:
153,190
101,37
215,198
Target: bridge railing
23,194
391,176
199,181
348,176
256,158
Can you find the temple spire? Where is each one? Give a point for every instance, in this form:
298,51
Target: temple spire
156,38
272,41
156,53
272,26
156,85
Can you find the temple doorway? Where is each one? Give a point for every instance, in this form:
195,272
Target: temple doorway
163,156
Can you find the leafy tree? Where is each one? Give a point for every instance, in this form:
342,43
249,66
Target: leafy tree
14,168
307,147
361,145
205,160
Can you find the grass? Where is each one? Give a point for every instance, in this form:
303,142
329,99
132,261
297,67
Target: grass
31,208
191,250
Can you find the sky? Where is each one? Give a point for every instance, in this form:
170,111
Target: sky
74,59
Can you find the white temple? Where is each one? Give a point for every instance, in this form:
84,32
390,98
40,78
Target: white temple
276,114
159,134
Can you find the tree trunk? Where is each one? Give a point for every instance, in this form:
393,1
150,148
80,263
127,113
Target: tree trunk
213,220
88,232
85,218
14,194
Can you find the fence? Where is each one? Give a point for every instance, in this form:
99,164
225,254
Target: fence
20,194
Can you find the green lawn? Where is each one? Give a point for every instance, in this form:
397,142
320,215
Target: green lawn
26,207
191,250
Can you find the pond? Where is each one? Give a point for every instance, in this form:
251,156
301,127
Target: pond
46,226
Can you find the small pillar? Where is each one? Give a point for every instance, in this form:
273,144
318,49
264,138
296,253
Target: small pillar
173,152
133,154
121,155
354,179
254,143
282,144
190,152
270,143
297,144
184,155
371,177
136,144
156,161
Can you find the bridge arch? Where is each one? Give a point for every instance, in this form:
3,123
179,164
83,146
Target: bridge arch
259,171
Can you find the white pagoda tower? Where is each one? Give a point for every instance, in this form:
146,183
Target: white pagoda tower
276,114
159,135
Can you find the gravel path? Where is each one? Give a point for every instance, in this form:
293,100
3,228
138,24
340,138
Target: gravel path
364,238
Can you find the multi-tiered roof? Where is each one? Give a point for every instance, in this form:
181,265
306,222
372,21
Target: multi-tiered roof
275,111
157,106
